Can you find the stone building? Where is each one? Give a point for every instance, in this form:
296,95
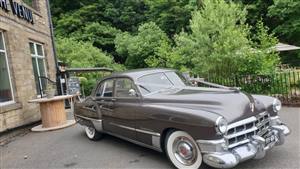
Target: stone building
26,52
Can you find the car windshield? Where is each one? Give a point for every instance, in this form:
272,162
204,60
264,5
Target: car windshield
159,82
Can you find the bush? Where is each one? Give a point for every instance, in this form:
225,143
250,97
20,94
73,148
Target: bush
220,42
78,54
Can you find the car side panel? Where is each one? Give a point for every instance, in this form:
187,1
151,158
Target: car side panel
87,108
156,118
120,118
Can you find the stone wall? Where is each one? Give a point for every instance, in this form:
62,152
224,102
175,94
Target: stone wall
18,33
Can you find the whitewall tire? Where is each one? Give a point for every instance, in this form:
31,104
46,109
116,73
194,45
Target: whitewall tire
182,150
92,133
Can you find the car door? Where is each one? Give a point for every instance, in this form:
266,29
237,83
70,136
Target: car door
119,107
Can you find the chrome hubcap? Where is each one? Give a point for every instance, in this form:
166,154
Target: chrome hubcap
90,131
184,151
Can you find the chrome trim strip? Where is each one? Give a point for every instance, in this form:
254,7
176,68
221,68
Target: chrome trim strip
261,124
137,130
156,142
274,117
211,141
122,126
239,143
262,132
241,133
242,122
96,122
87,118
212,146
148,132
135,142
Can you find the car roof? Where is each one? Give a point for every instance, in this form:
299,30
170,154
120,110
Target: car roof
137,73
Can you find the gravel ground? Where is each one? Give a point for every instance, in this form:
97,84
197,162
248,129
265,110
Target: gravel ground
69,148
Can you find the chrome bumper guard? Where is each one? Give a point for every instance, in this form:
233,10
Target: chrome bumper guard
217,154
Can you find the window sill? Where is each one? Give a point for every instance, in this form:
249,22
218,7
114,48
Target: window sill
10,107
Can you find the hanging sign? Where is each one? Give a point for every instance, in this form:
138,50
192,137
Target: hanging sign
17,9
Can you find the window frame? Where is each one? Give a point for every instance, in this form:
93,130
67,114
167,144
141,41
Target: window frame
8,71
36,56
99,85
134,85
103,82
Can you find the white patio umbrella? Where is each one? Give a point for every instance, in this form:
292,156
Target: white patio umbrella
280,47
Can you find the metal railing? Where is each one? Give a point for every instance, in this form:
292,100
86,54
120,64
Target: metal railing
283,85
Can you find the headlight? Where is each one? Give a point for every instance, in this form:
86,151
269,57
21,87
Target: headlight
276,105
221,125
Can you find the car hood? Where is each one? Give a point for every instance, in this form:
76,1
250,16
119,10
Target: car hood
233,105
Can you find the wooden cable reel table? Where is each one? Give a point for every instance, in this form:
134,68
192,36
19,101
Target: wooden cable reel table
53,113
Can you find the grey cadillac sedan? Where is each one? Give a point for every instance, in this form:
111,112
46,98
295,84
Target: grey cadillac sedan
161,110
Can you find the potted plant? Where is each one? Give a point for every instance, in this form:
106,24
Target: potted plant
50,91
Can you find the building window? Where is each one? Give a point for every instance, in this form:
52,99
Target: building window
39,66
6,92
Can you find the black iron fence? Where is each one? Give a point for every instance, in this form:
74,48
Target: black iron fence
283,85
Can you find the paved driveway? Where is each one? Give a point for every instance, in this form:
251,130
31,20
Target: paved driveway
69,148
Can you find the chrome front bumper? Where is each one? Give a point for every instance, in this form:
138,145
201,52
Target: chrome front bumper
216,153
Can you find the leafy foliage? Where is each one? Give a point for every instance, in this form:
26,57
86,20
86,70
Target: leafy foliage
123,15
219,42
201,36
286,14
282,17
140,49
99,21
82,55
172,16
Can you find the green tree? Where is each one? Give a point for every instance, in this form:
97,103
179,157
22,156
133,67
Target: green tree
285,16
256,11
149,43
172,16
123,15
219,42
101,35
282,17
99,21
61,7
82,55
286,25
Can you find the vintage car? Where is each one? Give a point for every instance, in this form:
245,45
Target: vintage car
162,110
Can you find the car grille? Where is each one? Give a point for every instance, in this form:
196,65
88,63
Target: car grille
240,132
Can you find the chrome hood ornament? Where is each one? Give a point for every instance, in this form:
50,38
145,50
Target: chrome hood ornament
252,107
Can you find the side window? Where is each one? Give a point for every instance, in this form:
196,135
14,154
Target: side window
108,88
99,90
125,88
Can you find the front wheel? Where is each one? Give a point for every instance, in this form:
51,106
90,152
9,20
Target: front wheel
182,150
92,133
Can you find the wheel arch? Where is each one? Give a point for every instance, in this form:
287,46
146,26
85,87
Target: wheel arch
163,136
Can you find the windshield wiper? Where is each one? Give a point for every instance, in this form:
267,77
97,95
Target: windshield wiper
144,88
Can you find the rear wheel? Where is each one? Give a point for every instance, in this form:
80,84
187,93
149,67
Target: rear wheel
182,150
92,133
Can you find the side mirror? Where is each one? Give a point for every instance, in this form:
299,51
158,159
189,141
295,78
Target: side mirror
132,92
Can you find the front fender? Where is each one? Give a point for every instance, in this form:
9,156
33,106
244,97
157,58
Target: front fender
198,123
267,101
